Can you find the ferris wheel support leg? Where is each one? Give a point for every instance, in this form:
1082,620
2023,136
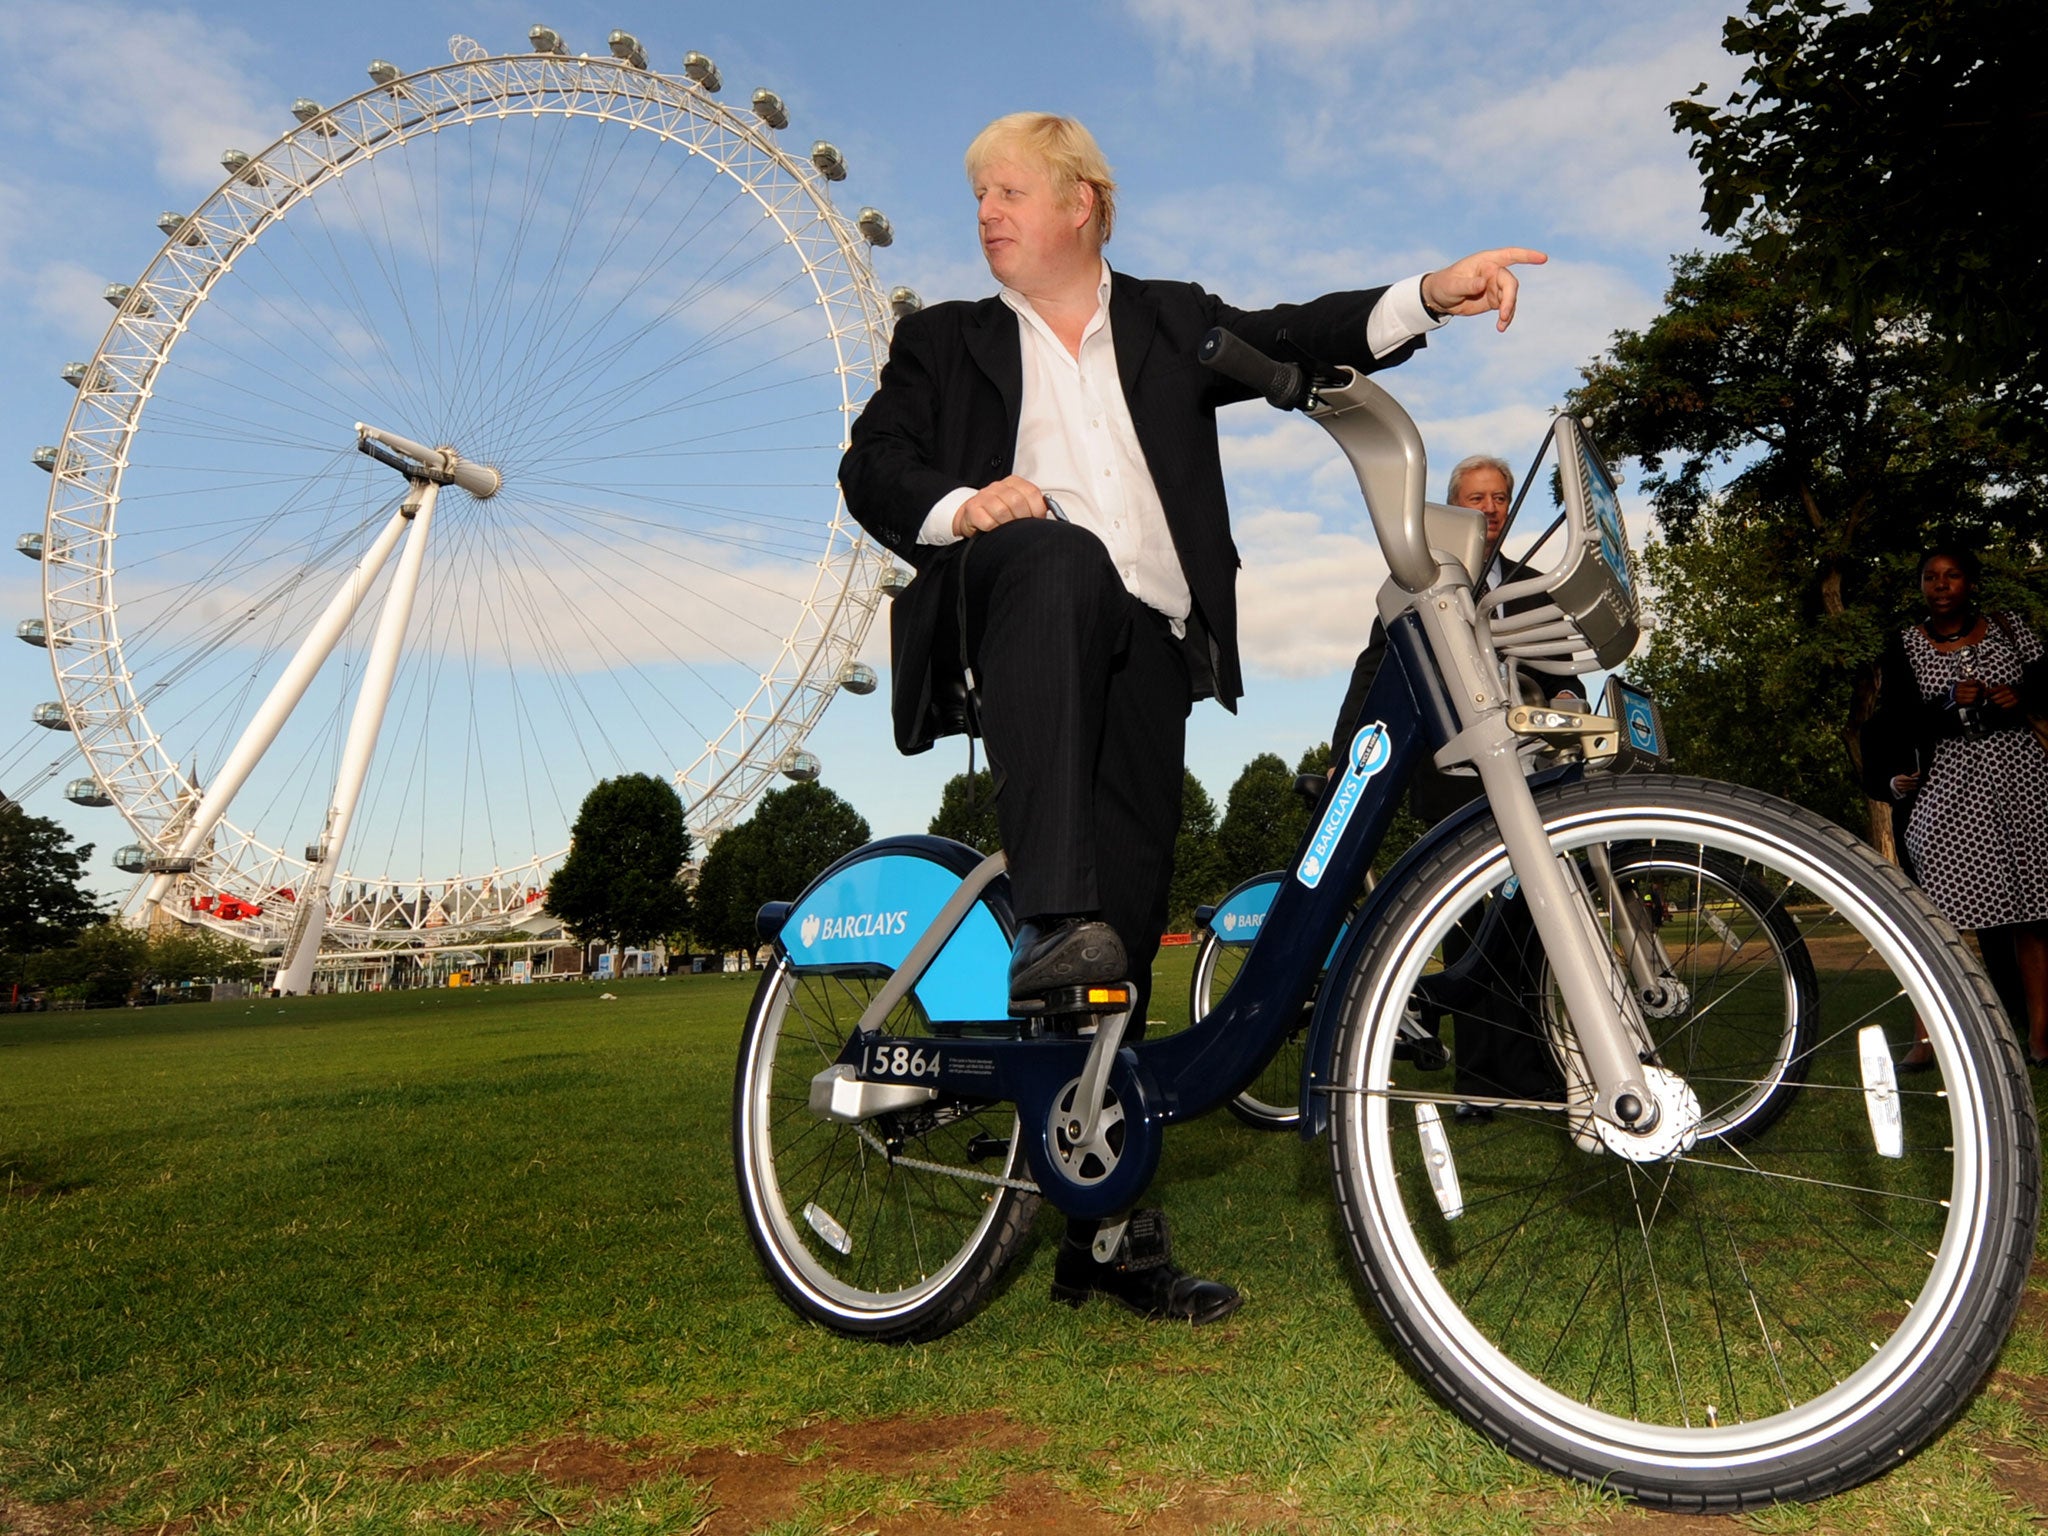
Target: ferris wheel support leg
295,973
284,697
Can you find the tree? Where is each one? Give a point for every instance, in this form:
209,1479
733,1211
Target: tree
974,825
42,902
102,967
621,881
1263,821
195,953
1872,149
793,834
1796,460
1197,872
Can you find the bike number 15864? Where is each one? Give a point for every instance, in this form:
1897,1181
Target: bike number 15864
900,1061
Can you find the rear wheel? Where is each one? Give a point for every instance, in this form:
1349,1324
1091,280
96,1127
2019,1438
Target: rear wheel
1781,1304
895,1227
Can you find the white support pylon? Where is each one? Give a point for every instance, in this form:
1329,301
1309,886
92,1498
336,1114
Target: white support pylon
295,973
276,708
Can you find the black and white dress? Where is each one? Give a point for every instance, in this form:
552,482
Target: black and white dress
1979,833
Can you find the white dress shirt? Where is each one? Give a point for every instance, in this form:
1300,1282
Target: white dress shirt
1076,443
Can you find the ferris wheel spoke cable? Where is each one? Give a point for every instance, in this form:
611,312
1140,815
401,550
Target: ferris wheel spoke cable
293,319
582,363
349,295
770,523
280,587
592,352
569,553
600,641
767,545
712,393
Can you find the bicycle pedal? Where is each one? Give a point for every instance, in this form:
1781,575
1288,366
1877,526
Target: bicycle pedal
1112,998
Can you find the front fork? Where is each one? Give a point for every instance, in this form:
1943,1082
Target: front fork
1606,1017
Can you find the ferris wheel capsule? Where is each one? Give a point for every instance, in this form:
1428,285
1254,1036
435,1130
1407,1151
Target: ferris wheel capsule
32,630
87,792
705,73
385,73
45,458
30,544
626,48
50,716
904,301
894,580
131,860
859,678
803,767
830,162
545,40
769,108
874,225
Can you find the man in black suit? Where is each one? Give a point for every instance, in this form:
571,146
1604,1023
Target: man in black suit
1047,459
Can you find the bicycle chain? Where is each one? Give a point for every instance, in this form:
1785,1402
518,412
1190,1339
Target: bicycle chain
922,1166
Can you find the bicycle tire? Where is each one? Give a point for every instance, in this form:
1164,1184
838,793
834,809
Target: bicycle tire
897,1228
1735,1324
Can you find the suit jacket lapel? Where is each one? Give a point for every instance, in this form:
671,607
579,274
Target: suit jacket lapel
993,342
1132,321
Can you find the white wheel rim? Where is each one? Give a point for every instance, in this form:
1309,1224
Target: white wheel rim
1607,1439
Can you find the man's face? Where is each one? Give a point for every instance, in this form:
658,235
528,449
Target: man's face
1487,490
1028,237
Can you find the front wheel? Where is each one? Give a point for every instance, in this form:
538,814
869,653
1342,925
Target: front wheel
1786,1300
896,1227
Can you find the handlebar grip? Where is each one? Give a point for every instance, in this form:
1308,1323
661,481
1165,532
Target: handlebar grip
1285,386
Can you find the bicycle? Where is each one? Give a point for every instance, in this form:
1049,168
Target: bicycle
1729,1261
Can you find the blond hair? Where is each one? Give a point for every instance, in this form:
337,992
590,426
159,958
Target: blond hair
1065,150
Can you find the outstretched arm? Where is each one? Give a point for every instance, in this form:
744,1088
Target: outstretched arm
1482,281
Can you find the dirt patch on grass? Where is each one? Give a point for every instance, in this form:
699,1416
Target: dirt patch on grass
70,1519
899,1477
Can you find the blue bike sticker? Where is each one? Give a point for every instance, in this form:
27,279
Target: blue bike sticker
873,911
1371,750
1242,916
1642,724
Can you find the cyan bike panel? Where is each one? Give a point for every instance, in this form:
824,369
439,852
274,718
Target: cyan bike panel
1241,916
870,911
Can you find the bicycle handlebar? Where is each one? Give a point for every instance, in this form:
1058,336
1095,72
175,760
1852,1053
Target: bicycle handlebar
1376,434
1286,386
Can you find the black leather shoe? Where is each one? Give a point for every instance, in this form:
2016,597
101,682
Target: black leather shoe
1072,952
1141,1275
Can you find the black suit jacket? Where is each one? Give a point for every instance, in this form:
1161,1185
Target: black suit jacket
945,415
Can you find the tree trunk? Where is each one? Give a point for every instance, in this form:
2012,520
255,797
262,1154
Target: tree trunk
1882,837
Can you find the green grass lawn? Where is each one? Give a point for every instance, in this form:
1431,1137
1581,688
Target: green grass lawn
472,1260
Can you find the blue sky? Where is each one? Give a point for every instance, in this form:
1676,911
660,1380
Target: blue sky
1270,151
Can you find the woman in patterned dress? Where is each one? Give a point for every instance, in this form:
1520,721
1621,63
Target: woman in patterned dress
1956,752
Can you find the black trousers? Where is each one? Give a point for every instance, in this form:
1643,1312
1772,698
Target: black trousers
1084,705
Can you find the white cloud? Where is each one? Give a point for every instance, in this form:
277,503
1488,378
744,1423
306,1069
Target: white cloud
112,77
1305,596
1311,37
1591,146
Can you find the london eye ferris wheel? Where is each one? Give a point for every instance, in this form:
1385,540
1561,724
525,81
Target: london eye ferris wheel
472,442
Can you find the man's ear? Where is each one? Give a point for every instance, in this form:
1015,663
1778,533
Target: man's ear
1084,203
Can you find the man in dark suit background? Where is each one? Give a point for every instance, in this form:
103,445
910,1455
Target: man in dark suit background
1091,631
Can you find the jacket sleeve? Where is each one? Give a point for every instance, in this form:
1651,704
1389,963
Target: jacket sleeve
1897,727
1330,329
890,473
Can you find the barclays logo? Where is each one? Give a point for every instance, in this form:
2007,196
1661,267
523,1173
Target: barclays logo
1371,750
853,925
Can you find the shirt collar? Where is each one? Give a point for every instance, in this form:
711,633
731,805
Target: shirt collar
1022,305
